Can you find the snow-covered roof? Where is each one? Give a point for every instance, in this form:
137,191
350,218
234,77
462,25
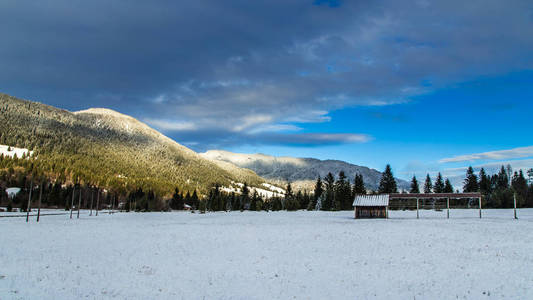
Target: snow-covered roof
371,200
12,192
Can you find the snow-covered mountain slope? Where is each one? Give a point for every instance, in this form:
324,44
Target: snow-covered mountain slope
302,172
106,147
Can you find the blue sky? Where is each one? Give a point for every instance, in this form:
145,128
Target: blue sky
482,115
427,86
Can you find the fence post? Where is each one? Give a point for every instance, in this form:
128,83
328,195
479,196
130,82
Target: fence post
448,208
417,214
92,198
29,202
514,200
40,196
79,204
97,200
72,201
479,207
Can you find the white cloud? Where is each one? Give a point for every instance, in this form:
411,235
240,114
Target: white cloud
493,155
252,120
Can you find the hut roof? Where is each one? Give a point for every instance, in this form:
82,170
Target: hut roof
371,200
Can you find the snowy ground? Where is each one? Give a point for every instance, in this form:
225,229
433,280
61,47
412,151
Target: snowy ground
281,255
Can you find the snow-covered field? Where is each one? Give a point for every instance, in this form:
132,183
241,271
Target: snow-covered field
277,255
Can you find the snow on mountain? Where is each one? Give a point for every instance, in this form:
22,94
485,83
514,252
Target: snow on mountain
12,151
301,172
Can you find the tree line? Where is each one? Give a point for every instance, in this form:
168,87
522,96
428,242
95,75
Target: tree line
330,193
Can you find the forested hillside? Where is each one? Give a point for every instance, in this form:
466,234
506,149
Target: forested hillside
105,148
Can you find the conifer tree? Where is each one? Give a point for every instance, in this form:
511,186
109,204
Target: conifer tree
329,193
245,197
415,189
439,184
387,183
502,180
484,183
187,199
194,199
343,193
519,185
470,184
448,187
253,202
177,200
358,186
319,189
428,186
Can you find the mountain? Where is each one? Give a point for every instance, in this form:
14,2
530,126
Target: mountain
301,172
104,147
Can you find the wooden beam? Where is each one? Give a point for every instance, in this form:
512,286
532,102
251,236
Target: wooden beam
435,196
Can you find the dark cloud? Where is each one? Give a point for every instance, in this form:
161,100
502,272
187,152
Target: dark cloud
226,68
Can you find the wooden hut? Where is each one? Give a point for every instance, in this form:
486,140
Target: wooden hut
371,206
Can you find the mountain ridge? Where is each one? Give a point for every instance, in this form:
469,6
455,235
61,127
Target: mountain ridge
107,148
301,172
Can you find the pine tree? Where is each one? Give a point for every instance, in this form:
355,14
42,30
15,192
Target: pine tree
387,183
484,183
177,200
502,179
319,189
415,189
358,186
329,192
428,186
470,184
245,197
520,187
439,184
187,199
448,187
194,200
343,193
253,203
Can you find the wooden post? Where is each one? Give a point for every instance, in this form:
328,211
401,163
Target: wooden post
92,198
417,214
72,201
448,208
97,200
79,204
40,196
29,203
386,212
514,200
111,204
479,207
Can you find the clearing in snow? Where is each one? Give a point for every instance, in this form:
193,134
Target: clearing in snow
276,255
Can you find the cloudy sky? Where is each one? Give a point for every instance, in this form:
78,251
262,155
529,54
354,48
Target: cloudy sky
424,85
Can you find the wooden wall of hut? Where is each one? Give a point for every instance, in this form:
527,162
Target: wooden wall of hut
367,212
